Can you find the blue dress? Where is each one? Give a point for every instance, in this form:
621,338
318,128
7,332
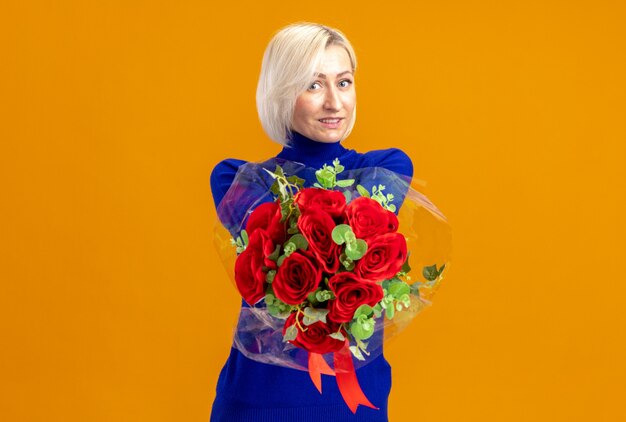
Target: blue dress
248,390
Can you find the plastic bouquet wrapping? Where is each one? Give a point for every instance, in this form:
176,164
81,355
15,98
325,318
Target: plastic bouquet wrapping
331,269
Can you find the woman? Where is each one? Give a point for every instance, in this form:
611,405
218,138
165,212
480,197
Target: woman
306,101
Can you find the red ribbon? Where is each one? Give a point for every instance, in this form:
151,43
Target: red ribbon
346,377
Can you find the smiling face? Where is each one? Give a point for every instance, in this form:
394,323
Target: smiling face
324,111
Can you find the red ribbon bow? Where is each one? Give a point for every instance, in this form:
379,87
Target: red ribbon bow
344,372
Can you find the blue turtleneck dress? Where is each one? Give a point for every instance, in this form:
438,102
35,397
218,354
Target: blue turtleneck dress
248,390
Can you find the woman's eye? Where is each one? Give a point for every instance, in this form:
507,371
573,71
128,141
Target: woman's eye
314,85
345,83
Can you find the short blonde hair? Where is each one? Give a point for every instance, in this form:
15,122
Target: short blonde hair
289,64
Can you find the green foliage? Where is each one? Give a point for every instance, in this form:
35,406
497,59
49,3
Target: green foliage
285,188
378,196
290,333
431,272
290,247
363,311
327,176
339,233
358,349
362,191
299,241
269,277
241,243
346,262
363,323
432,275
274,255
397,296
320,295
275,306
338,336
355,248
406,268
313,315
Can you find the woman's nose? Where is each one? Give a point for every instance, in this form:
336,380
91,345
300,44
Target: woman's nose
332,100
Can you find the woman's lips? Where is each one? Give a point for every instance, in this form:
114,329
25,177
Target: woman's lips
331,123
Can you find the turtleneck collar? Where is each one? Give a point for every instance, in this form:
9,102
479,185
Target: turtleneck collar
309,152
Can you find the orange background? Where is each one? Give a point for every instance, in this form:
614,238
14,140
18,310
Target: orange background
113,304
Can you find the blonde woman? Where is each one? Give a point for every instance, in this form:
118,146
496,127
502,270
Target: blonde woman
306,100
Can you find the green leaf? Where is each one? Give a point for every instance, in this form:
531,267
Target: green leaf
299,241
430,273
290,333
280,260
346,262
289,248
399,289
337,336
345,183
313,315
269,277
244,237
352,253
362,330
348,195
326,177
356,352
324,295
378,310
389,312
339,233
406,267
274,255
363,310
361,247
362,191
273,174
295,180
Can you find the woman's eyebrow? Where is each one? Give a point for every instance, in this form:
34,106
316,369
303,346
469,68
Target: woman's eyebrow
321,75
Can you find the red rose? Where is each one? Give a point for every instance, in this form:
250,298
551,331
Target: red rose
316,337
384,257
297,276
351,292
249,274
317,226
267,216
331,201
368,218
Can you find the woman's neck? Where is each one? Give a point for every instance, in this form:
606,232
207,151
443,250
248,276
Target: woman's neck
310,152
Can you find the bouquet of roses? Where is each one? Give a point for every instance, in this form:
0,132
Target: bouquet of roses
324,268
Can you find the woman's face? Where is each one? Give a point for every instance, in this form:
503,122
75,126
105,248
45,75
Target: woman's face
323,112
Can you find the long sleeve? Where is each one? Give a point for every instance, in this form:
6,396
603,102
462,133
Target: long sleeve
222,176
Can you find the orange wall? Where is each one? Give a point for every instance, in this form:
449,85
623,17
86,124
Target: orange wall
113,304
